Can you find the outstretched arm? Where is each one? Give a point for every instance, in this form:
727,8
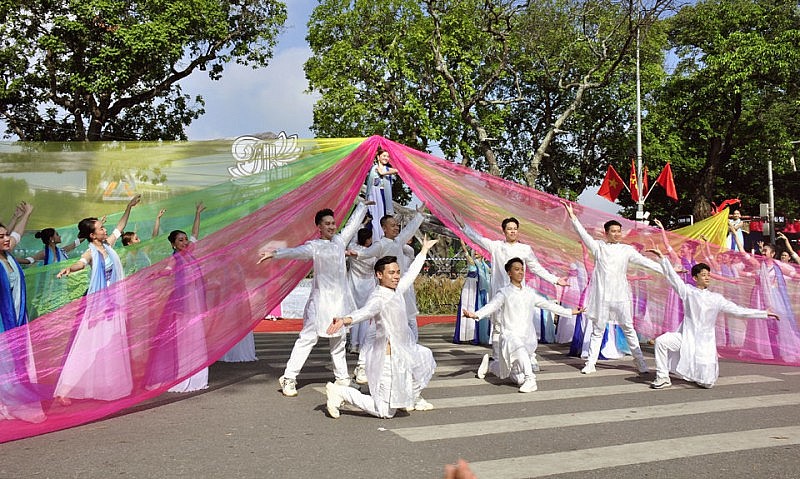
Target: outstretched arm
473,235
534,266
157,224
729,307
544,303
488,309
672,255
789,248
199,208
586,238
20,219
86,258
123,221
70,246
304,251
467,254
371,308
407,280
669,272
408,230
32,259
354,223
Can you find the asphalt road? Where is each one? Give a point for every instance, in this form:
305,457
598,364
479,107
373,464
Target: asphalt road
609,424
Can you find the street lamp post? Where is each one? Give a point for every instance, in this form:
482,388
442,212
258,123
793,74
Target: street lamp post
639,196
771,204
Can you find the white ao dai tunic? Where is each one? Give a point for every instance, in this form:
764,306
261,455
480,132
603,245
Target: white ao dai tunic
330,294
697,358
412,365
512,321
609,283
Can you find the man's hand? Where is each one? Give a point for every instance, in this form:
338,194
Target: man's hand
336,325
568,207
428,244
468,314
135,200
655,251
265,256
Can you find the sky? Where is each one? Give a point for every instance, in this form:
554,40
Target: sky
247,101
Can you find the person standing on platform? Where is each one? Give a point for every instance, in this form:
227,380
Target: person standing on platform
379,190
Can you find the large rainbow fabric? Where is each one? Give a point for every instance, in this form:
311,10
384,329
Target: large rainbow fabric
176,315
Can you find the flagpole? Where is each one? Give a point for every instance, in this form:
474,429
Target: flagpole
640,200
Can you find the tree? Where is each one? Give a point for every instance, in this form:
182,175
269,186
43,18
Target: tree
577,65
103,69
732,101
487,81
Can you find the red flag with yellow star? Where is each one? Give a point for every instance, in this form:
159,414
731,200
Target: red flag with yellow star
612,185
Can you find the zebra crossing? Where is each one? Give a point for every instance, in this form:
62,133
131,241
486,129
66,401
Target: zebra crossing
505,434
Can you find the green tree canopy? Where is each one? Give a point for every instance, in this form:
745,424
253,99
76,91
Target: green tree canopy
731,103
109,69
490,83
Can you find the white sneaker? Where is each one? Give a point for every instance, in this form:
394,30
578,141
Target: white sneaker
422,405
345,382
661,383
529,385
588,369
361,375
335,400
484,367
288,386
641,365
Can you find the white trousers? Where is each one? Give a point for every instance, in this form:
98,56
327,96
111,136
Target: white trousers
412,324
521,366
375,405
358,333
622,314
302,348
668,347
369,336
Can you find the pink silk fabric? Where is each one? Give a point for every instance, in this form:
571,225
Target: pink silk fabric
237,293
